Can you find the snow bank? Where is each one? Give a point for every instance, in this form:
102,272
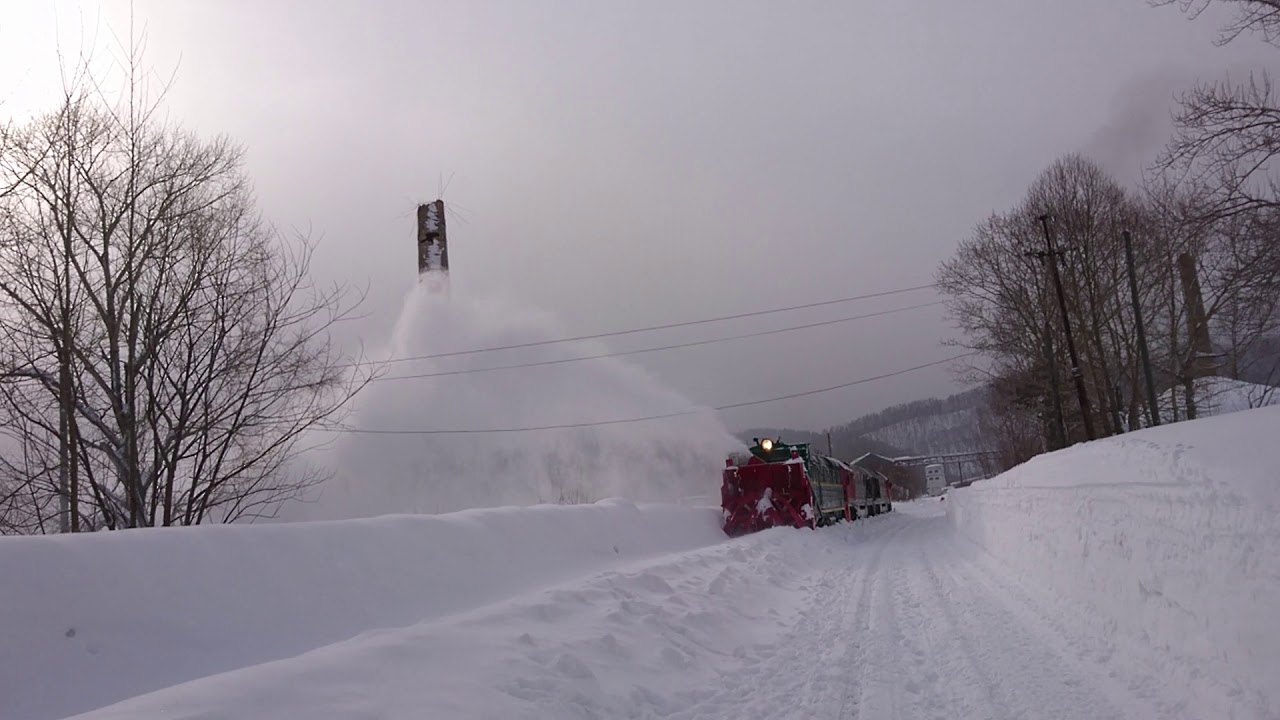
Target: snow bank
88,620
739,629
1165,540
1219,396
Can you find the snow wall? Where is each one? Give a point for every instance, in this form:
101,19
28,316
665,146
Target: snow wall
1167,538
224,597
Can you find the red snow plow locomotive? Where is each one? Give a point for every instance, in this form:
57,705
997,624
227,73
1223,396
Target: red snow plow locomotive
782,484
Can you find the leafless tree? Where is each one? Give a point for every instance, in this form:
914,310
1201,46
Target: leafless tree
161,341
1220,170
1009,424
1237,259
1256,16
1227,136
1001,298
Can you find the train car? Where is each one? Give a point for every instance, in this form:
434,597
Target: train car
873,493
785,484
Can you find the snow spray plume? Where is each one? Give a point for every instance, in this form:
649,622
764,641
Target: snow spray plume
663,460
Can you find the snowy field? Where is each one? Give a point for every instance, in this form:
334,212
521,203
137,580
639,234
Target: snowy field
1134,577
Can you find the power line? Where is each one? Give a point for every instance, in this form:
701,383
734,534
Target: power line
495,431
647,418
845,385
632,331
559,361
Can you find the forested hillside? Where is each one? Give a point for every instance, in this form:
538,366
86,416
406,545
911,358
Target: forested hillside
933,425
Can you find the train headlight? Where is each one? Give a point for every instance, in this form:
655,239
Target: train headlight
766,444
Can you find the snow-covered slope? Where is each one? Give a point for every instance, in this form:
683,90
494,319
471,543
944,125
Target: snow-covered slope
1219,396
1166,540
943,432
933,425
88,620
772,625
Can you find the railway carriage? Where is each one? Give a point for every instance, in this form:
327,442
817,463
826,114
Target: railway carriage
781,484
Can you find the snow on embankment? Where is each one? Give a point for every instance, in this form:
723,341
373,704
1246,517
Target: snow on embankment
1215,395
89,620
1166,540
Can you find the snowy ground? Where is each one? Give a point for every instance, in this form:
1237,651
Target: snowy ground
1168,542
1130,578
1217,395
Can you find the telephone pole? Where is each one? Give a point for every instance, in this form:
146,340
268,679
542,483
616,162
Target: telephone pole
1066,326
1051,364
1142,333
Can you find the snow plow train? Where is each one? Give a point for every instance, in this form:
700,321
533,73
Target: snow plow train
780,484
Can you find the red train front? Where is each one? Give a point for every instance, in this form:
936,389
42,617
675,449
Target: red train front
785,485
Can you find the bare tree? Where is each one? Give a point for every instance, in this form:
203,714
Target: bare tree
1007,424
161,340
999,295
1226,140
1220,168
1257,16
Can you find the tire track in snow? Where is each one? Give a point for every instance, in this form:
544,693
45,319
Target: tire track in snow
1035,679
944,679
856,659
772,684
876,688
812,671
1090,656
932,698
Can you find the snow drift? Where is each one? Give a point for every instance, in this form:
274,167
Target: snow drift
753,627
1166,542
660,460
1216,395
76,634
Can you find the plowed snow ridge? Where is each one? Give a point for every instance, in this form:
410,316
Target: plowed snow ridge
1128,578
888,618
75,635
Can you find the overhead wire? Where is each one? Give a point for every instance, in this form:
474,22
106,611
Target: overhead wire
647,418
841,386
650,328
676,346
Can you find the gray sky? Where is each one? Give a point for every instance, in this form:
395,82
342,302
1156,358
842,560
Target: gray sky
623,164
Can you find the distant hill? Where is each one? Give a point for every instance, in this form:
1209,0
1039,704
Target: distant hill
934,425
950,424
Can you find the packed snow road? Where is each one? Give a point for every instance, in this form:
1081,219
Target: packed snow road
907,622
893,617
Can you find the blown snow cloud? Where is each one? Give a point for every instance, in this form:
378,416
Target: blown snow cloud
666,459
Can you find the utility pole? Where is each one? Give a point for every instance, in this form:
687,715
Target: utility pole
1142,333
1066,326
1060,420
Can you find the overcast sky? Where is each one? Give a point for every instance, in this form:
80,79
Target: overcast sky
624,164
